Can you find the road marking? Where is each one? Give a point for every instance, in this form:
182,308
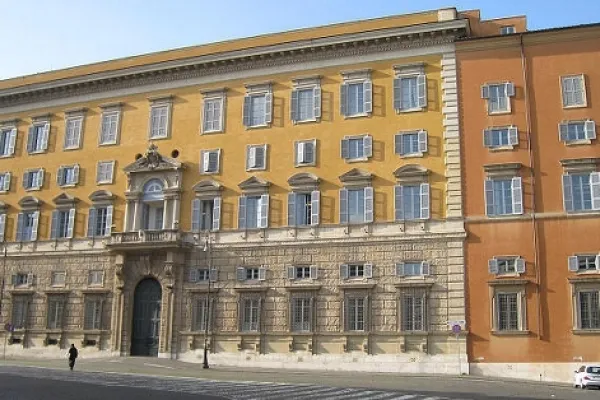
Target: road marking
157,366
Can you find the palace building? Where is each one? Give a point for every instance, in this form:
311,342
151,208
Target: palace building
294,199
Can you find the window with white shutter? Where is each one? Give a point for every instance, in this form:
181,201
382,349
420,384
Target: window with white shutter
581,192
5,178
501,138
584,263
210,161
498,97
410,88
63,222
100,221
37,137
8,139
506,265
67,175
305,100
256,157
356,94
357,148
412,268
58,279
305,153
110,126
258,106
577,131
411,202
503,196
573,91
27,226
105,172
253,212
73,129
411,144
213,111
160,119
33,179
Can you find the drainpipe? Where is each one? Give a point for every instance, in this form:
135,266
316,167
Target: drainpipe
533,202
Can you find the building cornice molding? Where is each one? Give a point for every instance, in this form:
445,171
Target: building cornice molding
350,45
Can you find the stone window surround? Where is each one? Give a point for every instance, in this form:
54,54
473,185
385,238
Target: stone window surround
36,188
250,292
203,153
160,101
298,164
303,291
111,108
357,76
584,84
213,94
518,286
412,70
582,284
256,89
414,284
354,290
75,113
307,82
10,125
265,147
509,96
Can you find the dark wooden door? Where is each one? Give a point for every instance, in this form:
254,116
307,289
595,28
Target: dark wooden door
146,318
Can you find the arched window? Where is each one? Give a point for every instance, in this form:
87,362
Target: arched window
153,190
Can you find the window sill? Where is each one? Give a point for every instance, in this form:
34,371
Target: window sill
584,332
104,183
361,115
264,126
511,333
501,148
578,142
3,191
412,155
300,165
583,212
356,160
410,110
71,148
158,137
212,132
349,284
256,169
414,333
306,121
108,144
95,290
37,152
7,155
68,185
503,112
505,216
33,189
302,286
584,105
209,173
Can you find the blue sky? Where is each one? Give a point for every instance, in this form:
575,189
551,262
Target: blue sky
41,35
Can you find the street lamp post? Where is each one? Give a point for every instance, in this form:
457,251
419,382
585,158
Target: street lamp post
207,250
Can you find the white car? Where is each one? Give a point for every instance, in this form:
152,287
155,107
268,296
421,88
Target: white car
586,376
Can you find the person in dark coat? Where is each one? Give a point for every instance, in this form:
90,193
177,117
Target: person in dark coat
73,353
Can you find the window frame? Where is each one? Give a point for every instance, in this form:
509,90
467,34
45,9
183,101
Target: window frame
60,175
108,112
40,172
95,273
402,73
305,84
588,129
255,324
361,77
93,220
508,30
509,92
306,322
77,134
517,203
367,148
562,80
249,148
298,144
56,305
512,136
53,280
568,197
107,181
423,322
424,268
253,91
353,324
155,104
58,229
578,323
97,317
422,142
518,290
11,133
43,140
220,97
5,181
206,163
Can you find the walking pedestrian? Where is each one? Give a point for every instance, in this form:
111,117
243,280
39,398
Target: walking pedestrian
73,353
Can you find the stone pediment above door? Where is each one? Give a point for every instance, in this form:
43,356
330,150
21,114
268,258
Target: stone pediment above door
153,165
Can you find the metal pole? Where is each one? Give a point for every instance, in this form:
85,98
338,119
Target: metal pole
207,308
2,299
459,363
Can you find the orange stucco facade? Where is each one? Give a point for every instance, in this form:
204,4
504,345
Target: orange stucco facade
544,235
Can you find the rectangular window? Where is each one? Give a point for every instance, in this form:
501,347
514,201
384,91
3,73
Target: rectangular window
33,179
63,222
95,277
5,178
412,268
414,311
500,137
299,209
356,206
56,306
581,192
503,196
209,161
410,87
304,152
22,280
507,311
306,105
572,131
206,214
20,308
250,315
573,91
200,315
92,314
256,157
506,265
109,130
251,273
411,202
27,226
587,262
159,121
253,212
411,143
507,30
37,138
356,94
498,96
8,138
302,272
100,221
357,148
356,99
68,175
589,309
73,132
213,114
58,278
409,93
356,313
356,271
301,314
104,172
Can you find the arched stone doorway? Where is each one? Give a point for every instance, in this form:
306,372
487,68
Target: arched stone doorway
146,318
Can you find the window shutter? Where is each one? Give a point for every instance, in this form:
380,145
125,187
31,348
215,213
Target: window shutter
398,202
246,111
291,209
76,174
489,197
196,215
317,101
213,275
595,190
368,270
30,279
78,134
12,140
422,90
369,204
6,182
60,176
344,99
422,137
242,212
2,226
109,218
520,265
262,273
368,96
213,161
590,129
424,191
493,266
563,131
398,144
345,149
205,161
314,272
487,138
425,268
344,271
216,222
291,272
343,206
26,182
368,146
294,106
598,262
261,159
567,193
192,275
309,152
400,269
30,134
34,229
517,195
91,222
573,264
513,135
485,92
510,89
269,108
315,207
71,224
301,152
54,225
45,135
264,211
397,94
241,274
39,178
251,157
20,220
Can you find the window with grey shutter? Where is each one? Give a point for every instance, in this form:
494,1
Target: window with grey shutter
343,206
369,204
256,157
8,138
573,91
5,178
356,94
73,128
305,102
210,161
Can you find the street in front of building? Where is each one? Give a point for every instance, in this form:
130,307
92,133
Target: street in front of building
137,378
